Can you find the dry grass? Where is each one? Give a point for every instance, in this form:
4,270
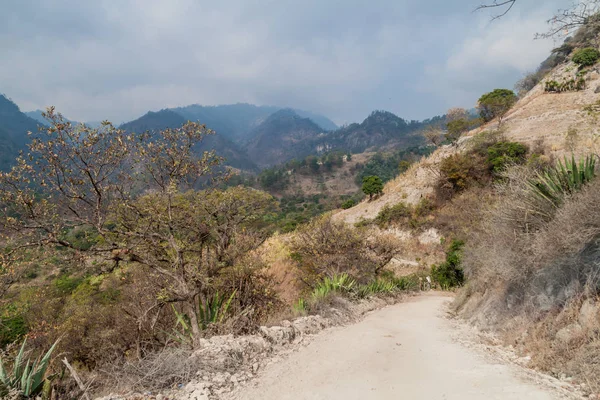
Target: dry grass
532,270
164,369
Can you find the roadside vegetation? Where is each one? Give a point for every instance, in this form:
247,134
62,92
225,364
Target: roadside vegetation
120,249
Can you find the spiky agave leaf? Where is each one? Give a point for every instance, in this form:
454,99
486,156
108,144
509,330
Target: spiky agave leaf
564,179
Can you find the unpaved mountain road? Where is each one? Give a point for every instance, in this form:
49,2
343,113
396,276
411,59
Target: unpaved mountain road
404,351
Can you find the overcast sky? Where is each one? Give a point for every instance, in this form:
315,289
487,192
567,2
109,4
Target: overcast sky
117,59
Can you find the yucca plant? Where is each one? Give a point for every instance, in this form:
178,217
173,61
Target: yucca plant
27,377
563,179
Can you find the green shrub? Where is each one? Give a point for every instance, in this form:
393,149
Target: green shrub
450,274
496,104
372,185
390,214
423,208
66,284
586,57
502,154
571,85
13,325
348,204
376,286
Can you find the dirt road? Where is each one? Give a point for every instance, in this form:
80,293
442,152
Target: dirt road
405,351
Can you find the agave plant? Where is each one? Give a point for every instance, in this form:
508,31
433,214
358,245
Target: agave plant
214,310
565,178
211,311
341,283
27,377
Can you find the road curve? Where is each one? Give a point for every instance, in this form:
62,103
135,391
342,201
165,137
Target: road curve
403,351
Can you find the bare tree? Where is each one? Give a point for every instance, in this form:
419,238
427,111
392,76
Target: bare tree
433,135
129,191
503,6
564,22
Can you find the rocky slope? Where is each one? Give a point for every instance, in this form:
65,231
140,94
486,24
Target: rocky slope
537,119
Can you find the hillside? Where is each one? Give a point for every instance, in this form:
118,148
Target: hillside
153,121
525,256
14,126
283,136
537,119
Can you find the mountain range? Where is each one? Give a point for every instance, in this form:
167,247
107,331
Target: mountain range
249,137
14,126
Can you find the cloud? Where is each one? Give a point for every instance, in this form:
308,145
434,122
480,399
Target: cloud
117,60
492,54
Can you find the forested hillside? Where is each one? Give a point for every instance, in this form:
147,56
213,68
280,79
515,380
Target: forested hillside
160,120
14,126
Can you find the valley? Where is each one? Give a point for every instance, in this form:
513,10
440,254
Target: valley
248,251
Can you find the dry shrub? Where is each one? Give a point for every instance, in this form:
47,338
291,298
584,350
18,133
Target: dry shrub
255,300
325,247
158,370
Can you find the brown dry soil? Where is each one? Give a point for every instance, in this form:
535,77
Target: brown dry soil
410,350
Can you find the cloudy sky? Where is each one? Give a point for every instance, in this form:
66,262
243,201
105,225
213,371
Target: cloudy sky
117,59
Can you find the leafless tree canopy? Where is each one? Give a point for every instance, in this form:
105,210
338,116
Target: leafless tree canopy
563,23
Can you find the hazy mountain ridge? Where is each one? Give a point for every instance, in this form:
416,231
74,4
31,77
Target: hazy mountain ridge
283,136
155,121
14,126
237,121
379,129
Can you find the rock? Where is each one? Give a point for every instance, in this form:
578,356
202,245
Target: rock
430,236
597,90
159,397
198,395
255,367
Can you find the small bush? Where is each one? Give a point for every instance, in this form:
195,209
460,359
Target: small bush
13,325
66,284
586,57
390,214
450,274
502,154
496,104
327,248
341,284
348,204
459,171
571,85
